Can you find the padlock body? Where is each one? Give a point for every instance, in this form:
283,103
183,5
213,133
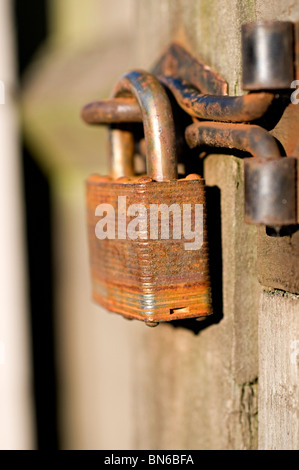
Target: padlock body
152,277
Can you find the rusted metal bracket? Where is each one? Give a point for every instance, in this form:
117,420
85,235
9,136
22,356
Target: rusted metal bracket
203,106
263,123
270,179
268,70
198,90
267,55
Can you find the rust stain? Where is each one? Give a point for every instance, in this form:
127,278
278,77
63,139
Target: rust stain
209,107
249,138
150,280
270,180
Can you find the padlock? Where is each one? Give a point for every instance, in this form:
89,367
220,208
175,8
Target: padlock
147,234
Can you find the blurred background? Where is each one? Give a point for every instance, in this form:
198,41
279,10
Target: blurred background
55,57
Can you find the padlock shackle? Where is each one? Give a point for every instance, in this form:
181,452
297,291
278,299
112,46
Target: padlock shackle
159,131
121,151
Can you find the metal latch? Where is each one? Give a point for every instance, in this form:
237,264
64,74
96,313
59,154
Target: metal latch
240,122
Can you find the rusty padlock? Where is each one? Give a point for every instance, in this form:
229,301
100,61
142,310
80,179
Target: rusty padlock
159,272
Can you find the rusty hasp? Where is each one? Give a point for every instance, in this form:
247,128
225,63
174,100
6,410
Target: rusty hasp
204,106
252,139
267,55
216,107
179,63
151,276
270,179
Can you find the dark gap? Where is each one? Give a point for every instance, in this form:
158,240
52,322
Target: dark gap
285,231
31,30
39,246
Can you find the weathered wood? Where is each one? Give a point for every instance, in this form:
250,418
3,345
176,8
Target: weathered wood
278,371
278,260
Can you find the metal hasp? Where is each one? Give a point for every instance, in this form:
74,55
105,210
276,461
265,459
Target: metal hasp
268,64
270,179
267,55
269,51
203,106
196,88
150,277
268,70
